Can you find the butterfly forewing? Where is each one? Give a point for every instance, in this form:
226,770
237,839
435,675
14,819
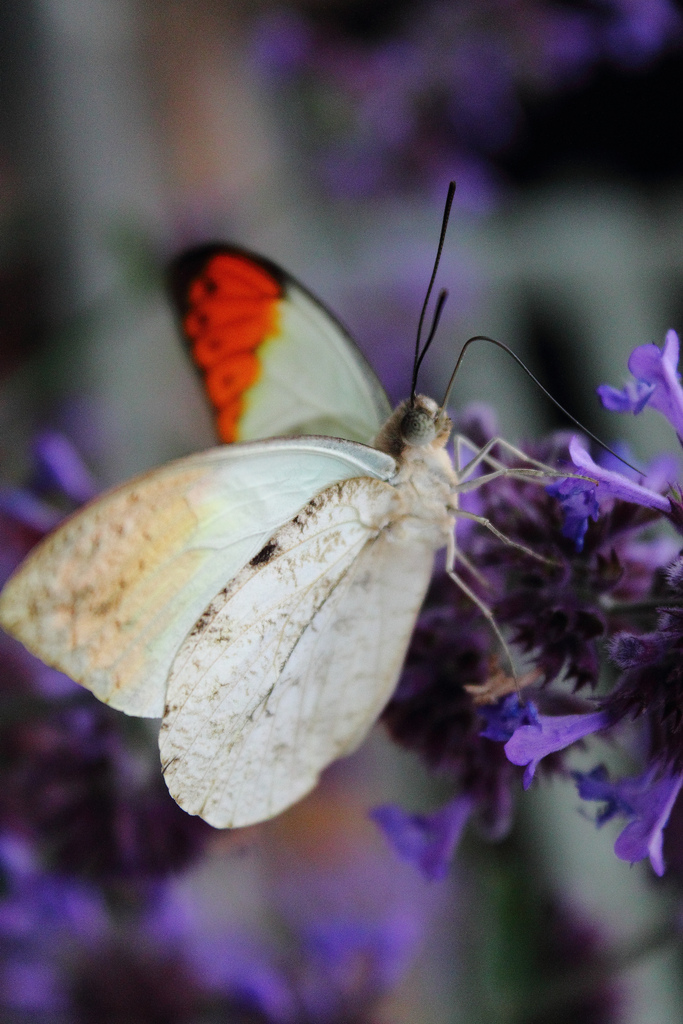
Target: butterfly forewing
292,663
274,359
109,597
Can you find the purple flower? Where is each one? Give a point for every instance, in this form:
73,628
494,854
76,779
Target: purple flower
643,837
633,397
582,499
612,485
596,785
59,467
426,840
531,743
579,504
503,718
647,799
651,682
657,383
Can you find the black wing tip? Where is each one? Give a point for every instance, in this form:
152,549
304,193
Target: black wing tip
188,265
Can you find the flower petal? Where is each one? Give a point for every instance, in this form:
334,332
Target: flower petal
658,368
614,485
644,836
597,785
647,799
426,840
503,718
531,743
633,397
579,504
59,465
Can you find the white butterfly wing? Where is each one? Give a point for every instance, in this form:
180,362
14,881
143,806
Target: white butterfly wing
274,359
292,663
346,398
109,596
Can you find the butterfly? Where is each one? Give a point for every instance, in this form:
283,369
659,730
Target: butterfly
258,597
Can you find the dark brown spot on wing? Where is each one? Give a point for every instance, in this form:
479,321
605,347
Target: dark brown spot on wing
265,554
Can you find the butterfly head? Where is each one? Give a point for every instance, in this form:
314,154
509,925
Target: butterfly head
414,424
418,426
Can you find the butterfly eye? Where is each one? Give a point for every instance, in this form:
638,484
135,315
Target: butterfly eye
418,427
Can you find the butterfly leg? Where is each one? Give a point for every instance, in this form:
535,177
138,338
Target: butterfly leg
455,555
532,475
460,556
457,511
483,521
535,472
481,605
483,455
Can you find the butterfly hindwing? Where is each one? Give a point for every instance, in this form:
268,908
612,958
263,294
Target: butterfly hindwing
110,595
294,660
273,358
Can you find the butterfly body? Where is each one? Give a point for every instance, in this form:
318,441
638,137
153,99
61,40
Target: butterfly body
258,597
425,480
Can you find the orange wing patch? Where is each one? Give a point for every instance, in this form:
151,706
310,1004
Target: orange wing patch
232,306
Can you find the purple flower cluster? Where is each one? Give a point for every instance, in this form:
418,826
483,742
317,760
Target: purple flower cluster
435,91
607,604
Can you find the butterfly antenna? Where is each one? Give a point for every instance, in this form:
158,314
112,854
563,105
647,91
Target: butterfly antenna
440,303
506,348
418,358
